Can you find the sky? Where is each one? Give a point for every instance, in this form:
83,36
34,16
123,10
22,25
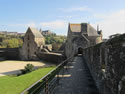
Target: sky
55,15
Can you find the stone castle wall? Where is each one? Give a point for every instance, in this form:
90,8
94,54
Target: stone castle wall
9,53
51,57
106,62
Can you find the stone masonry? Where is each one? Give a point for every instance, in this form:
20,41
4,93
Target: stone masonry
106,62
33,41
81,36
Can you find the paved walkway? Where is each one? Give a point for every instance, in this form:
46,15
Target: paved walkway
77,80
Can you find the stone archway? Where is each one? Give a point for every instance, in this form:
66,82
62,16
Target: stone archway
80,50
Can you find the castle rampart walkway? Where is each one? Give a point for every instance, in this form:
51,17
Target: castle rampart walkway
76,80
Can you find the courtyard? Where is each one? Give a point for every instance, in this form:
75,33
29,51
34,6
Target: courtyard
10,67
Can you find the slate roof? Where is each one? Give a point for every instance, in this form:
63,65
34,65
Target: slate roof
78,28
36,32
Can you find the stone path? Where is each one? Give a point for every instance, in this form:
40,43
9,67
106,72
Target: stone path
77,80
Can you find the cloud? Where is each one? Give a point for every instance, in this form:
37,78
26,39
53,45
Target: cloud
113,23
75,9
65,16
15,25
100,16
58,24
32,24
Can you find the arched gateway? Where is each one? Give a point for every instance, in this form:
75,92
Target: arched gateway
81,36
80,50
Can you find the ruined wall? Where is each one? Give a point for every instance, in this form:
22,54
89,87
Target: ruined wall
51,57
9,53
28,48
106,62
33,40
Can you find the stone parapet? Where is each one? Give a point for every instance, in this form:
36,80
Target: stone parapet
106,62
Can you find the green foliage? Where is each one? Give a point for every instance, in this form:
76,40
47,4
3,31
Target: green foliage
50,39
29,68
16,84
10,41
55,40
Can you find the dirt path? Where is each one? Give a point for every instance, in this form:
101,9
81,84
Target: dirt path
13,67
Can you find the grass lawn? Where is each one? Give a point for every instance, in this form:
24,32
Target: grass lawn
15,85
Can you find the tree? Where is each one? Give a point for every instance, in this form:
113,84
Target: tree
12,43
50,39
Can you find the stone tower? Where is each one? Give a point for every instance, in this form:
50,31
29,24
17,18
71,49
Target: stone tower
81,36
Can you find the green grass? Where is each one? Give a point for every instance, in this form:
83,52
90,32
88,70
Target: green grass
15,85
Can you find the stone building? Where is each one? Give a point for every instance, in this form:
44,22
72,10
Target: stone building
33,40
47,32
11,33
81,36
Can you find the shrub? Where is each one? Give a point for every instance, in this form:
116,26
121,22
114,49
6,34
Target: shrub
28,68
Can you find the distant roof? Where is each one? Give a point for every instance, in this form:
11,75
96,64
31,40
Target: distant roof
92,31
46,31
75,27
35,32
78,28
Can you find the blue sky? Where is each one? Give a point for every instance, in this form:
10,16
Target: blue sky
17,15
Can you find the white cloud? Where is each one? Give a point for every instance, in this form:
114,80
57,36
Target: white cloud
75,9
65,16
113,23
32,24
58,24
16,25
100,16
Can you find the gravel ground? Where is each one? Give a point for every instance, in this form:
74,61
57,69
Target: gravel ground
13,67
